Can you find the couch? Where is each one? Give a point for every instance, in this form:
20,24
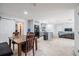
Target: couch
69,35
5,50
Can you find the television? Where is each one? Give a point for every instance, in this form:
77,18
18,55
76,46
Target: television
68,29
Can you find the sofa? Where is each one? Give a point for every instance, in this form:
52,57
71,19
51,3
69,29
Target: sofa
68,35
5,50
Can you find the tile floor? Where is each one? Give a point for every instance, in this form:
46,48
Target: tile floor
53,47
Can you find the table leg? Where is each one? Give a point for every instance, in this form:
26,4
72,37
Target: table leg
19,49
10,43
36,43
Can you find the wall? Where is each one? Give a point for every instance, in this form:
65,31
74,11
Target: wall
50,28
30,25
77,31
25,26
62,26
6,29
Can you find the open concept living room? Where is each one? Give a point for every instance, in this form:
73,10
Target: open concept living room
39,29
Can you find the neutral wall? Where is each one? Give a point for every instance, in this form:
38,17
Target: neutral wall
6,29
77,31
61,27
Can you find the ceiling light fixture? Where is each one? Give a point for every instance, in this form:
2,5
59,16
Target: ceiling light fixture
25,12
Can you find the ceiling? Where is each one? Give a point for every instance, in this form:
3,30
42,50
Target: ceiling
44,12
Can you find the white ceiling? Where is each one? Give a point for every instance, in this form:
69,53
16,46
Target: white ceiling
50,12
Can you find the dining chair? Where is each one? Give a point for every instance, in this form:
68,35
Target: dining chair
29,44
15,35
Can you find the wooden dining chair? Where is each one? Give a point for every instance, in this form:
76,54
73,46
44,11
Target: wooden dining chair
29,44
15,35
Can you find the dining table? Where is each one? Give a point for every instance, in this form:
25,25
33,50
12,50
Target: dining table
19,41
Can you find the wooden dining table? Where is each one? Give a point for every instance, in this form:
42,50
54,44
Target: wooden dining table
19,41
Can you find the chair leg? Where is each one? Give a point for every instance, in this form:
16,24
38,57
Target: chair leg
33,51
26,53
36,43
13,47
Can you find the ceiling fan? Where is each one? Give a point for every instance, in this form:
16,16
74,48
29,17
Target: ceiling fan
5,18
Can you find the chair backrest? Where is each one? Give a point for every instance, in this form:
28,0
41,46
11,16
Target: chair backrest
15,34
30,38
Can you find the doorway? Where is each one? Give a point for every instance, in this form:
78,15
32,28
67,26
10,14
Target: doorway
36,30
